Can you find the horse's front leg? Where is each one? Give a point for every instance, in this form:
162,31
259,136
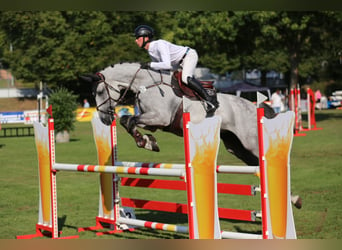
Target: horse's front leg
146,141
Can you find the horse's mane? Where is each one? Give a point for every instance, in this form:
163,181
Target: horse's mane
120,63
134,65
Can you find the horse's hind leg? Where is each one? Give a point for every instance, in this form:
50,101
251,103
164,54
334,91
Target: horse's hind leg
143,141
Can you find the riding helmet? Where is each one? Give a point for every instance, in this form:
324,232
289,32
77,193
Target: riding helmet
144,31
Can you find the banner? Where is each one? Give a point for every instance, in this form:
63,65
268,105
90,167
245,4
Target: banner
42,145
102,139
12,117
204,140
125,110
86,114
278,135
33,116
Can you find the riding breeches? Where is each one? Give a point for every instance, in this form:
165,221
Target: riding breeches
189,65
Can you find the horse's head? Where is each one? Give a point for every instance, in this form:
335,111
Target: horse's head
105,100
109,89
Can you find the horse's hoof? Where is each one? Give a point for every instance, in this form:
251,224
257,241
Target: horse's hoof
151,143
297,201
155,148
210,112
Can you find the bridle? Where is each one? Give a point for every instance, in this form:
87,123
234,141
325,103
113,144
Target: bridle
109,99
108,87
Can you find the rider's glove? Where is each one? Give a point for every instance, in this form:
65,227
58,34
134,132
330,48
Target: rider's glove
145,65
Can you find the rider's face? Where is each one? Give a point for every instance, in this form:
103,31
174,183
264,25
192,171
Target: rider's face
139,41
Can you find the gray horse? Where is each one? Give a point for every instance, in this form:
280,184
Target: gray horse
161,104
161,108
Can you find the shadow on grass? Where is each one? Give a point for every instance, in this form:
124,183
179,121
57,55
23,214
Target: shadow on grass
74,139
61,222
135,233
146,233
163,217
181,219
326,116
240,229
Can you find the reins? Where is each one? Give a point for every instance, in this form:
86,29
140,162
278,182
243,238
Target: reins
158,83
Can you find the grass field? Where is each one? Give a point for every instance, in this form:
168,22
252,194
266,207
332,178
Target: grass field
316,161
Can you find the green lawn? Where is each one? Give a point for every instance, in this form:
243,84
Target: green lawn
315,167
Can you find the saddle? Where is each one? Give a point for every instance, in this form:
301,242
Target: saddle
181,89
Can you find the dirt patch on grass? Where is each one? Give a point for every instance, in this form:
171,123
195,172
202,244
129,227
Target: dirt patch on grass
321,221
17,104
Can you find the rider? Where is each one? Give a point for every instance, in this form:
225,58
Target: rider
167,56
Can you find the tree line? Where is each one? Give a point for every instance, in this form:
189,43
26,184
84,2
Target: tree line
57,46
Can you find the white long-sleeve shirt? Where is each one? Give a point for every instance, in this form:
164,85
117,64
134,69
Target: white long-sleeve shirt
276,100
165,55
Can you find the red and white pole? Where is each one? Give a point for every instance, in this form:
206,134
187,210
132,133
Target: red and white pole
51,129
186,120
260,117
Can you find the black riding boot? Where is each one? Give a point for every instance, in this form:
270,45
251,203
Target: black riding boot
211,100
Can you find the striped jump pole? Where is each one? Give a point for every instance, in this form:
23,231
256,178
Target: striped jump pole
263,195
296,102
119,170
229,169
296,108
154,225
311,105
299,124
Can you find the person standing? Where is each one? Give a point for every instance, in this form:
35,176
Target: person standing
276,101
318,96
169,56
86,103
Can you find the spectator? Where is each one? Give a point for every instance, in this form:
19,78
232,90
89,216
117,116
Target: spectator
276,101
86,103
324,102
318,97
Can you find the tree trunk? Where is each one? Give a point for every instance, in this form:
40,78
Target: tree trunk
294,70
